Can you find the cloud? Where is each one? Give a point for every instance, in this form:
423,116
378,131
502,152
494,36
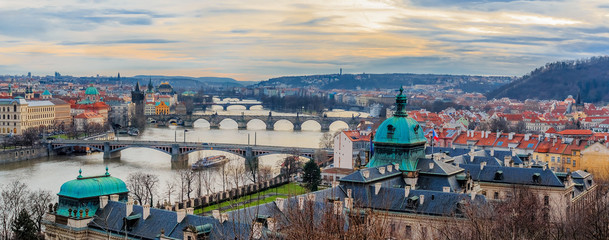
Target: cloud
126,41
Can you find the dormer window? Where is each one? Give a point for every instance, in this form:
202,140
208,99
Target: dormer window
498,175
536,178
412,202
390,131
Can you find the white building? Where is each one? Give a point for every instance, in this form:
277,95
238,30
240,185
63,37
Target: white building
348,145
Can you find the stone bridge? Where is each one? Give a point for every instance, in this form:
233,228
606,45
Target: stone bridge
270,120
225,105
179,150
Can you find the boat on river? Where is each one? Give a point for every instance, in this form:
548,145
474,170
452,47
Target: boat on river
208,162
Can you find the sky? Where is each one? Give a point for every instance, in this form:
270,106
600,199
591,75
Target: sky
254,40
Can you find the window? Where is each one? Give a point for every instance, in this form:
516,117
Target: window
546,200
568,160
496,195
574,163
558,159
408,231
537,157
568,169
390,131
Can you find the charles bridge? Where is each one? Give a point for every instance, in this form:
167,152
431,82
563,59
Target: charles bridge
242,120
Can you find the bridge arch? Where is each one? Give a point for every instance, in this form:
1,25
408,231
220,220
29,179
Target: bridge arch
228,123
201,123
236,106
256,107
283,124
166,150
311,125
256,124
338,125
99,148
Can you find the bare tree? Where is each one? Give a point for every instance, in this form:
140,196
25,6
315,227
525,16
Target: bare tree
13,199
265,173
143,186
327,140
39,201
170,187
187,182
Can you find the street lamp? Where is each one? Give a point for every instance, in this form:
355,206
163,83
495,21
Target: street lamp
185,130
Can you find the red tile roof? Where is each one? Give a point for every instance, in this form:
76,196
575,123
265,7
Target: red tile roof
575,132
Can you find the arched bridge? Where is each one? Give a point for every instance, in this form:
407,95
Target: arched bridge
247,105
270,120
179,151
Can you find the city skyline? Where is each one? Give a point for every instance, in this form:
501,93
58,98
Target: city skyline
256,41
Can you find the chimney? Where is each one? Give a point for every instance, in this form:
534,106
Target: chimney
527,137
545,166
471,158
216,214
389,168
473,196
338,207
506,161
257,230
482,164
145,211
181,214
271,224
482,133
445,189
421,199
103,201
487,133
129,207
114,197
349,193
513,153
511,136
430,165
311,197
301,202
377,188
280,203
349,203
382,170
365,173
190,211
406,191
493,152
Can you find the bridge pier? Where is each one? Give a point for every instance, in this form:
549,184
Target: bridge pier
325,127
297,126
176,156
225,107
109,154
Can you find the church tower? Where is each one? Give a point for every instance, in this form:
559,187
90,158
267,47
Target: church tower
399,139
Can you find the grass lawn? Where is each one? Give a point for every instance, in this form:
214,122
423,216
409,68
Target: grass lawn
286,190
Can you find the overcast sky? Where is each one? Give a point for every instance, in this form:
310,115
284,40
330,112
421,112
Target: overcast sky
256,40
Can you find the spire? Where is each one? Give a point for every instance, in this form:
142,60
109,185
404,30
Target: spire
150,87
79,173
400,101
107,173
137,86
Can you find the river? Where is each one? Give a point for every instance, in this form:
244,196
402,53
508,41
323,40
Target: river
49,173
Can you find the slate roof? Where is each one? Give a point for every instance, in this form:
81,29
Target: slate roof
439,168
513,175
159,219
449,151
375,175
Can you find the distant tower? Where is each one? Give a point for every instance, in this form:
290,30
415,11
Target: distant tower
29,94
119,77
10,90
137,97
340,72
29,74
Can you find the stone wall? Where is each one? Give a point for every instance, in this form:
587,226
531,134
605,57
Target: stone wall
227,195
22,154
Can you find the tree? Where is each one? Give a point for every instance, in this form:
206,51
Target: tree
311,175
23,227
291,164
14,198
326,140
143,186
39,201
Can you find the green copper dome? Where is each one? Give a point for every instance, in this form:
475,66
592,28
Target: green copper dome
91,91
87,187
398,139
46,93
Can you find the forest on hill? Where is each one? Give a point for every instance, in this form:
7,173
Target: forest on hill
557,80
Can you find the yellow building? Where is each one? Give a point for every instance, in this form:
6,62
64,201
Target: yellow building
595,159
17,115
161,108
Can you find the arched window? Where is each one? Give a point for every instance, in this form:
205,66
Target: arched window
390,131
14,108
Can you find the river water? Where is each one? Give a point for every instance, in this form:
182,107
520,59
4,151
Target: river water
49,173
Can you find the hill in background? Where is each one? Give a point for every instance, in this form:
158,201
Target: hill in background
557,80
466,83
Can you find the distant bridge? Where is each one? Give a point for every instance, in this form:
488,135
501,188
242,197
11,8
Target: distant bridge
179,151
270,120
247,105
